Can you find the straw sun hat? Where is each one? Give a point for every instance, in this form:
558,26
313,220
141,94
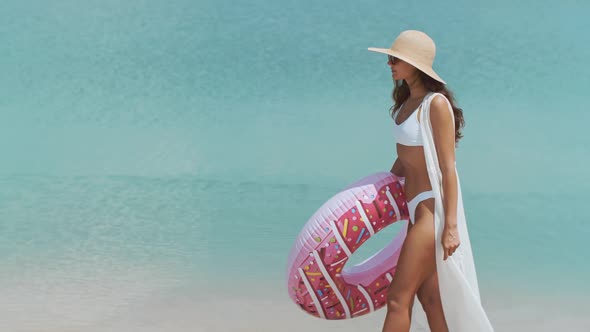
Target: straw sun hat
416,48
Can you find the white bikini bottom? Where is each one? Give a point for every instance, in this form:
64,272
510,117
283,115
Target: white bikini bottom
417,199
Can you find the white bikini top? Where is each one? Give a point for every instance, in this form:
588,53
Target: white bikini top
408,132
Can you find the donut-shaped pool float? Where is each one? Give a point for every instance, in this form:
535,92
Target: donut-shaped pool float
317,279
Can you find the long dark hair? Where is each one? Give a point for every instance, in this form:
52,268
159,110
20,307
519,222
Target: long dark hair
401,92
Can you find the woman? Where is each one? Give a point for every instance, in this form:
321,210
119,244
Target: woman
436,262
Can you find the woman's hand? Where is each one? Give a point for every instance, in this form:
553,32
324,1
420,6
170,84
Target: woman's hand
450,240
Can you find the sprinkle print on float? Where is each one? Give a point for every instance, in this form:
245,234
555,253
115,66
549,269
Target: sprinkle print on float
317,279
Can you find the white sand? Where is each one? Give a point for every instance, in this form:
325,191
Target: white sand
253,309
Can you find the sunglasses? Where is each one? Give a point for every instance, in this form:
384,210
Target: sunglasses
392,59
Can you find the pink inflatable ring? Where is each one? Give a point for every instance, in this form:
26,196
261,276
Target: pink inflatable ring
316,278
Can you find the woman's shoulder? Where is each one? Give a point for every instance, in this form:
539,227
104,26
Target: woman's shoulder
440,101
440,107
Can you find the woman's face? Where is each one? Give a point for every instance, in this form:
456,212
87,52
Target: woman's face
400,70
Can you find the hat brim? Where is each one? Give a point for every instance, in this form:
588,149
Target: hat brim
426,69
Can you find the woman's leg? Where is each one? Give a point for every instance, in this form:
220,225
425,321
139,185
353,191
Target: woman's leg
415,264
428,292
429,297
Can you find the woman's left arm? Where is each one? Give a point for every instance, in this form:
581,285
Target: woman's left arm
443,131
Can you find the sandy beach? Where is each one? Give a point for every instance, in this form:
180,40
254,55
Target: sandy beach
260,309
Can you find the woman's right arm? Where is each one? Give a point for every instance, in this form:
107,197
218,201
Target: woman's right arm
398,169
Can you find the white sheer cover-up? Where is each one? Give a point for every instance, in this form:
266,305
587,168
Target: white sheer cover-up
459,290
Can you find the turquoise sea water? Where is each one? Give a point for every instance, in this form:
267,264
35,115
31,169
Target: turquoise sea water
152,147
